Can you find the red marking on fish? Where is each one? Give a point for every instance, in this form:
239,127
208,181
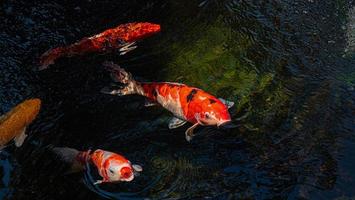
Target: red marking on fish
111,166
106,41
187,102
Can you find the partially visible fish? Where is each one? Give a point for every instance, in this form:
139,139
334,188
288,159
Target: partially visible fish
188,104
112,167
14,123
122,37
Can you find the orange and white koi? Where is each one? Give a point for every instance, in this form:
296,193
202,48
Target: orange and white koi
123,37
112,167
188,104
13,124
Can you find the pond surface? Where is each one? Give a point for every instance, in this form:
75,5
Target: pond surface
288,66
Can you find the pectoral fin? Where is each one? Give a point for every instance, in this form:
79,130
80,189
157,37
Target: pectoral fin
149,103
127,48
19,139
109,90
189,133
176,122
229,104
104,180
98,182
137,169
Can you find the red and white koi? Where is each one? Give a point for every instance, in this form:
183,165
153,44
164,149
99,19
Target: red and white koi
123,37
112,167
188,104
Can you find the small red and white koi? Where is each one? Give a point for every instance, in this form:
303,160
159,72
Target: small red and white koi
188,104
123,37
112,167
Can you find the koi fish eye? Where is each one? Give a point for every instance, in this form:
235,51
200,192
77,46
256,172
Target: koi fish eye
207,115
111,171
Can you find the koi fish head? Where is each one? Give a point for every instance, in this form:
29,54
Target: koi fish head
114,167
32,106
136,31
213,113
22,115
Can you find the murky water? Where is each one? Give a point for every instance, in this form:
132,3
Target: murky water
288,65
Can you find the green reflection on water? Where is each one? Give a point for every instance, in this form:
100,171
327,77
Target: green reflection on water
176,175
220,61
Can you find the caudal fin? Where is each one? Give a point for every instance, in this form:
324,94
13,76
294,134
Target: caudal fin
118,74
121,76
70,156
49,57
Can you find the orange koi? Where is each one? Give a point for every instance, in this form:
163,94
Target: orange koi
14,123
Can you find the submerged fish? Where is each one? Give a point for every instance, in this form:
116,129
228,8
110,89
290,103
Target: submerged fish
186,103
122,37
112,167
13,124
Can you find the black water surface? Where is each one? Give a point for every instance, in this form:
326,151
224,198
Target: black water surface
299,142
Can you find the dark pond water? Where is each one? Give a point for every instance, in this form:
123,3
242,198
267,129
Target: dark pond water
288,65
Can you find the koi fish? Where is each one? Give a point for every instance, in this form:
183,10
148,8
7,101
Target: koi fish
112,167
123,37
188,104
13,124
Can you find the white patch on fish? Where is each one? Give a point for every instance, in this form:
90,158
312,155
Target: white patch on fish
202,98
106,155
172,83
173,105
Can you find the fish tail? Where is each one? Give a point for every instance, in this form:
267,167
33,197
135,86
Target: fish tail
83,156
76,159
50,56
119,75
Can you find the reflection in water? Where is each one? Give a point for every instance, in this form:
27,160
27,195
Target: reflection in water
281,62
89,181
6,166
350,49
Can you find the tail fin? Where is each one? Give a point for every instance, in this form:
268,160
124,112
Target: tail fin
76,159
118,74
50,56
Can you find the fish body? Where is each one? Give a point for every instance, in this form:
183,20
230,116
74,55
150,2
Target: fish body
188,104
112,167
122,37
13,124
